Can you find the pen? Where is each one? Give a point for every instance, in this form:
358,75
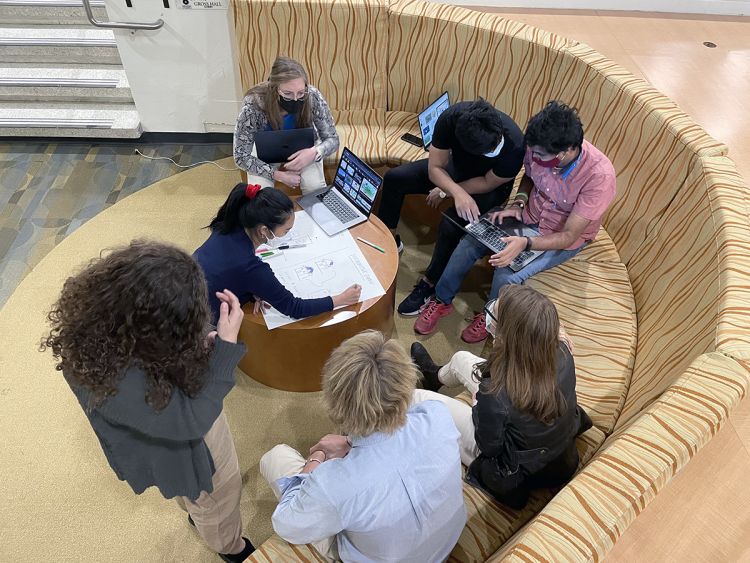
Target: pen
368,243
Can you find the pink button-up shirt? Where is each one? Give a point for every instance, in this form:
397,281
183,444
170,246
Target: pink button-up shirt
586,188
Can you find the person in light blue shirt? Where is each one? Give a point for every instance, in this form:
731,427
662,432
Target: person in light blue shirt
389,487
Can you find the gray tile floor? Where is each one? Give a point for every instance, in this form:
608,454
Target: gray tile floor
48,190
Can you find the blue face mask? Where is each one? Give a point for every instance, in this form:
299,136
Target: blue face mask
496,152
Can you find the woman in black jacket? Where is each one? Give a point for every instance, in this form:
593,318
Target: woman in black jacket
520,433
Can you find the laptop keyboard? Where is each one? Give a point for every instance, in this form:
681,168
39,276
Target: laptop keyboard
333,202
521,258
491,235
488,233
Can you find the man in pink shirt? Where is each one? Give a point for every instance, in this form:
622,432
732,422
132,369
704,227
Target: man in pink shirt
567,186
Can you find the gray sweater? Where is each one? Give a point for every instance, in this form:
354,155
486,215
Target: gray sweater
165,448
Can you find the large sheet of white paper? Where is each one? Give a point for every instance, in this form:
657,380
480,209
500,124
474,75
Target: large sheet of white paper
325,267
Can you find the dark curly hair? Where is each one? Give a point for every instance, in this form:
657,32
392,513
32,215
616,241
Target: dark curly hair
479,128
142,305
556,128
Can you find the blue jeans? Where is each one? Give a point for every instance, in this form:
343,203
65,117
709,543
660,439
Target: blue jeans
469,250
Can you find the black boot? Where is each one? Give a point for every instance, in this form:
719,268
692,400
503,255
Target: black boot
429,369
241,556
233,557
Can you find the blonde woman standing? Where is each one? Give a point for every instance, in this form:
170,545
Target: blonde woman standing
285,101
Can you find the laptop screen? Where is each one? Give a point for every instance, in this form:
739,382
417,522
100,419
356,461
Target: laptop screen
357,181
429,117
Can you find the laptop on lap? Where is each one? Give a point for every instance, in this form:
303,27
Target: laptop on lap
490,235
348,202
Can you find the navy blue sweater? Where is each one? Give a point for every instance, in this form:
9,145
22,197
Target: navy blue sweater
229,262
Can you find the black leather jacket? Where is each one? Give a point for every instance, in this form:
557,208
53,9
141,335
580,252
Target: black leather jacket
515,446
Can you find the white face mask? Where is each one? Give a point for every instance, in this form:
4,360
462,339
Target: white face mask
496,152
276,241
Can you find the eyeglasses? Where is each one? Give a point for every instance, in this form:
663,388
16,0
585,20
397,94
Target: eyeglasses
490,320
293,96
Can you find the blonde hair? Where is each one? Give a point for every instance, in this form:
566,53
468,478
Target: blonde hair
523,360
368,383
283,70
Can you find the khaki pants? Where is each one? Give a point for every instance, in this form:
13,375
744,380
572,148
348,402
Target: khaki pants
458,372
311,178
285,461
217,514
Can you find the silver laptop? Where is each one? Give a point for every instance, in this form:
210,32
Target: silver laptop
348,201
490,235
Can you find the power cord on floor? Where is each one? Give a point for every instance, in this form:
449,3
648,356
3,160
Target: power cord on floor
182,165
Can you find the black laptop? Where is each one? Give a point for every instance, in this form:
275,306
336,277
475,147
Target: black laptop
278,146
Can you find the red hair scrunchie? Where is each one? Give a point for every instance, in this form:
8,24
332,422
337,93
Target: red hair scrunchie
252,190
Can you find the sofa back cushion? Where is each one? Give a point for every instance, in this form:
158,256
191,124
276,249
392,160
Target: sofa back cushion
435,48
650,141
690,281
342,45
589,514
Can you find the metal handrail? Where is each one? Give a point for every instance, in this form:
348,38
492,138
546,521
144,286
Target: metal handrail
119,25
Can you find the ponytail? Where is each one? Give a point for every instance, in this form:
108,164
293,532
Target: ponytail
248,206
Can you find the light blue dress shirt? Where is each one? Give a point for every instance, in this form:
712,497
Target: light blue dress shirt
394,497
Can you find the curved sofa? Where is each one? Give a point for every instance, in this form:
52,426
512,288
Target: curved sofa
658,305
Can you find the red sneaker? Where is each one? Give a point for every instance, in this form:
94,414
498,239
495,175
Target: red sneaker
430,315
476,331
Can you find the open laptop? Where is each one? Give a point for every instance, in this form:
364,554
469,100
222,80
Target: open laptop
279,145
429,117
348,201
490,235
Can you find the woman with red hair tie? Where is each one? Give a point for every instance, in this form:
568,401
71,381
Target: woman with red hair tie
252,216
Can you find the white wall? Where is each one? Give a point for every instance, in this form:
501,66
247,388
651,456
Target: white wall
183,76
718,7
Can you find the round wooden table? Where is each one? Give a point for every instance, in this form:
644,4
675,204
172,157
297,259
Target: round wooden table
291,357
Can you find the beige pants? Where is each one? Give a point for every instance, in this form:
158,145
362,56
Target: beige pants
311,178
284,461
217,514
458,372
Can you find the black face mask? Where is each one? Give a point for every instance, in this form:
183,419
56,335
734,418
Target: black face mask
291,106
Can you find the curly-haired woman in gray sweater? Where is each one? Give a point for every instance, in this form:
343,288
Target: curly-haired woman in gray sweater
129,333
285,101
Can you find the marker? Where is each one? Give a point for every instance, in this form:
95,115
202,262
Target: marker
368,243
288,246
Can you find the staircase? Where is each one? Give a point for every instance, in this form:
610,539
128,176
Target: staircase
59,75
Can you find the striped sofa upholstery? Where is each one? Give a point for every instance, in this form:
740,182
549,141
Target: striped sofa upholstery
343,46
656,304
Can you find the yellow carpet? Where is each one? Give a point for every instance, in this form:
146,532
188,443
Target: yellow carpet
62,501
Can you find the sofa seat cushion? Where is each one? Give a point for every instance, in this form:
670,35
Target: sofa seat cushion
595,303
363,133
400,152
601,249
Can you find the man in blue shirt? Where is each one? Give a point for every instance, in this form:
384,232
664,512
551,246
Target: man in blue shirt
389,488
